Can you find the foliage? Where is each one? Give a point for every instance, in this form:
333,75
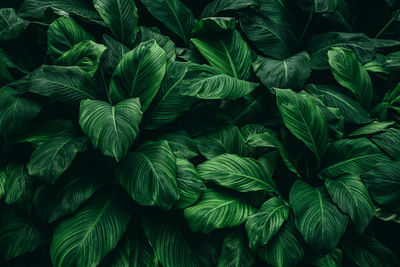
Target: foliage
199,133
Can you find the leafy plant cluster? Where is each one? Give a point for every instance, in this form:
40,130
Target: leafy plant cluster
199,133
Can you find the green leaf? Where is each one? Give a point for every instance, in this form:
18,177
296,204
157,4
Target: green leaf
168,104
85,55
352,197
2,184
69,85
121,17
16,112
51,159
19,187
372,128
350,109
285,249
181,144
278,12
271,39
36,9
318,6
174,15
112,129
139,74
349,73
18,235
333,259
383,183
163,41
235,252
226,51
354,156
387,215
11,26
217,6
85,238
149,175
237,173
367,251
304,119
389,142
65,197
318,220
262,226
217,210
214,25
268,140
227,139
319,45
189,183
289,73
63,34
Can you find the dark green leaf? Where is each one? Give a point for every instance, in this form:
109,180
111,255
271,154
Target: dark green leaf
163,41
19,186
181,144
11,26
318,6
235,252
372,128
277,11
217,6
214,25
389,142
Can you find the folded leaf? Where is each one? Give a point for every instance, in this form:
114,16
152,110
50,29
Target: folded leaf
139,74
238,173
121,17
149,175
217,210
85,238
262,226
304,119
318,220
349,73
112,129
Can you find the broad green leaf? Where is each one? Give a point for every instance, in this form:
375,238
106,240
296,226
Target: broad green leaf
318,6
387,215
51,159
235,252
350,109
278,12
289,73
268,140
367,251
217,210
227,139
389,142
139,74
319,45
351,156
149,175
333,259
63,34
181,144
2,184
189,183
383,183
65,197
373,127
304,119
262,226
168,104
121,17
238,173
85,238
174,15
69,85
350,194
19,186
11,26
19,235
285,249
349,73
271,39
85,55
112,129
36,9
317,218
16,112
163,41
172,247
226,51
213,25
217,6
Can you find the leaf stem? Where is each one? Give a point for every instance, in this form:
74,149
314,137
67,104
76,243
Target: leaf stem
387,25
307,25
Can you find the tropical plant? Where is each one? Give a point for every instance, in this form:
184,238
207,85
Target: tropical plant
199,133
